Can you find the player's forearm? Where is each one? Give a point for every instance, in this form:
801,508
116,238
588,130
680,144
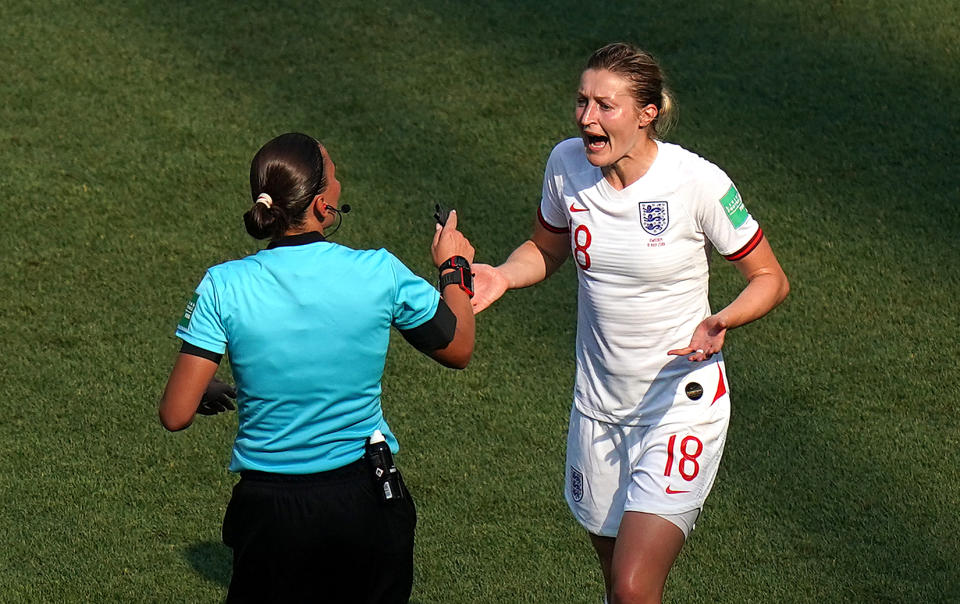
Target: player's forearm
761,295
527,265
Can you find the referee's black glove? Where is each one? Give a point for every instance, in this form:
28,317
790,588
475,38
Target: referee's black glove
217,398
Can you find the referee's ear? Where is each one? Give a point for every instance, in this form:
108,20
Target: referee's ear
320,211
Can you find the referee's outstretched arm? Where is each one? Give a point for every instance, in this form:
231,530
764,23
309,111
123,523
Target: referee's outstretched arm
448,243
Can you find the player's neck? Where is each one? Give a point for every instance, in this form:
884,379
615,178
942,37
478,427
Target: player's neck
631,167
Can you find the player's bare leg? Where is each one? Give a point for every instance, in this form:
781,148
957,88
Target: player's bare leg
644,551
604,548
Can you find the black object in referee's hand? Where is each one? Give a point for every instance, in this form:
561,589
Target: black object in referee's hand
441,214
385,475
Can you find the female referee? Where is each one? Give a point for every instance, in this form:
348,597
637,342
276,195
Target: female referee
651,401
306,323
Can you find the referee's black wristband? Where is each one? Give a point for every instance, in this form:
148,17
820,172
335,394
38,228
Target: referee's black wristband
461,274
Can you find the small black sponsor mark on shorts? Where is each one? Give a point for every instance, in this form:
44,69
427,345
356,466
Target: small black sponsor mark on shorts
693,390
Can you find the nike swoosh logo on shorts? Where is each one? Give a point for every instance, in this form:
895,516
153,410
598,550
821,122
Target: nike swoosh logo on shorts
576,209
670,491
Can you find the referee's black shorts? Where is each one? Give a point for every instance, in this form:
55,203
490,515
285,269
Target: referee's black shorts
325,537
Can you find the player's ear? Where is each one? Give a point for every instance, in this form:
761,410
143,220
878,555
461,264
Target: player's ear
648,114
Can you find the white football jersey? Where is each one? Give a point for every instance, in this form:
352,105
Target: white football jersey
643,256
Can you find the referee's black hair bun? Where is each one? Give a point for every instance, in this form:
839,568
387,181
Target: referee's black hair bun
260,221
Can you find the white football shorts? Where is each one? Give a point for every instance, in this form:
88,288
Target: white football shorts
667,468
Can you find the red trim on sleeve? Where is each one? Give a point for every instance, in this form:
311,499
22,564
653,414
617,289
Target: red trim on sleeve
549,226
749,247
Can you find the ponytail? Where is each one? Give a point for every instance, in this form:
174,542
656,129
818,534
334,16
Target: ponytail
667,115
262,220
285,175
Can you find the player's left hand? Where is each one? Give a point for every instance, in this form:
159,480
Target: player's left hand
217,398
707,340
488,285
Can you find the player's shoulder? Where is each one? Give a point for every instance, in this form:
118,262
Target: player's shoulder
690,167
687,162
570,146
568,156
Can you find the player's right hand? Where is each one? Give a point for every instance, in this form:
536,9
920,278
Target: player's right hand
707,340
488,285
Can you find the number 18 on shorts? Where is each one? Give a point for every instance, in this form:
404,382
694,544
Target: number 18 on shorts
665,469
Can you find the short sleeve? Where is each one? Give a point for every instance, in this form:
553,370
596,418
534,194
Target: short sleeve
415,300
551,213
201,324
724,218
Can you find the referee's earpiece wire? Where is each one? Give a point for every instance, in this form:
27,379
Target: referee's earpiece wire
339,212
339,222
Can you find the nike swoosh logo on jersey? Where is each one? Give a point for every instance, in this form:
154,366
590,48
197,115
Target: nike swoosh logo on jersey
573,208
672,492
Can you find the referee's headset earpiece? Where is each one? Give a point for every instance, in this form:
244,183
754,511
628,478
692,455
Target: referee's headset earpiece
321,212
344,209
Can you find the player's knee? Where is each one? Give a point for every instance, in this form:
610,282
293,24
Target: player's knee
636,589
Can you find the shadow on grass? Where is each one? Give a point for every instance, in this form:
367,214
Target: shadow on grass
212,560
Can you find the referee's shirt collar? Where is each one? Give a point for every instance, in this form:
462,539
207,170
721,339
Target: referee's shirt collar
298,239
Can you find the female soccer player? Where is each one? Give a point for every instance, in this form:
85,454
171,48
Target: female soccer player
306,323
651,401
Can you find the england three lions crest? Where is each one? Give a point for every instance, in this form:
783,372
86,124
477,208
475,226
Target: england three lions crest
654,217
576,484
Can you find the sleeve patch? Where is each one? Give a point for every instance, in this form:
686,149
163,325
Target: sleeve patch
188,313
734,208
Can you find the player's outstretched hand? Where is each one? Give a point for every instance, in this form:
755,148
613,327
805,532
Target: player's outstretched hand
217,398
707,340
448,242
488,285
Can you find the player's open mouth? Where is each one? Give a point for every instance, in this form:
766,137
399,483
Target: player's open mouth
595,142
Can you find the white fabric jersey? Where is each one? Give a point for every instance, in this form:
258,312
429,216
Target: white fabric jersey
643,255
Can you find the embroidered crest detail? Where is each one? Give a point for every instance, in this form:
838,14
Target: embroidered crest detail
576,484
654,217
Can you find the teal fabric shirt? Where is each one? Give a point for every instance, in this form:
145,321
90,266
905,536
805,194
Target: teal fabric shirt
306,324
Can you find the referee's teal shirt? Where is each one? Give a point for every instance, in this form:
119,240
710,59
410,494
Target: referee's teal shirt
306,324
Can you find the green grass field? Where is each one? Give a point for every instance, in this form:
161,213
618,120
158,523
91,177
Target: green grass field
127,129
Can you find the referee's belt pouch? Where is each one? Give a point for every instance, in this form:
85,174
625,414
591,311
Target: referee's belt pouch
386,477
